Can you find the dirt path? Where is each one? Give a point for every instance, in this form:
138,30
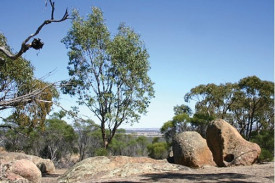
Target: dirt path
263,173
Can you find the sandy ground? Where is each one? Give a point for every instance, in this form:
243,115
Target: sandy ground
263,173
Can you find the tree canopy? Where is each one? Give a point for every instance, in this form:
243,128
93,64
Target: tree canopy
248,104
108,74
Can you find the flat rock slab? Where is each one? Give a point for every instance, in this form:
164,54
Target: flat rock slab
116,167
257,173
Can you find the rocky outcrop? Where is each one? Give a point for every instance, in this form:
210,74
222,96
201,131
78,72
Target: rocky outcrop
190,149
26,169
45,165
20,171
229,148
100,168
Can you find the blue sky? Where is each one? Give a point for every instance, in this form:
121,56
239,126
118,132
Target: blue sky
190,42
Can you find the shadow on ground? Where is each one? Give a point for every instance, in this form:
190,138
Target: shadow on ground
182,177
219,177
54,175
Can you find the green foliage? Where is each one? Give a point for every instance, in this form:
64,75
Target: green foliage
158,150
265,139
180,123
59,115
54,142
142,143
109,75
88,137
168,130
17,80
212,99
179,109
254,105
59,138
101,152
266,155
33,114
248,105
15,75
128,145
16,140
200,121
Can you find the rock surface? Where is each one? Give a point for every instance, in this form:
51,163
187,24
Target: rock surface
26,169
45,165
190,149
256,173
99,168
12,177
229,148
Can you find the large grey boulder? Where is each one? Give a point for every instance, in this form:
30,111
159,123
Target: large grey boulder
229,148
100,168
190,149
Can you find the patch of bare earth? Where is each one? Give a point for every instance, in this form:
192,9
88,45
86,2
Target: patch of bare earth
263,173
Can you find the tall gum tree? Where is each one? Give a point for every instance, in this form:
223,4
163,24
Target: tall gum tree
109,75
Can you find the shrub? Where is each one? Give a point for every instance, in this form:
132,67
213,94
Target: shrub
265,139
158,150
101,152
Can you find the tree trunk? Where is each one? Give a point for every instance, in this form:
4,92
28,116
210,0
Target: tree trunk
104,136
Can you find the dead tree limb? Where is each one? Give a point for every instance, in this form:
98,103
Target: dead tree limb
36,43
23,98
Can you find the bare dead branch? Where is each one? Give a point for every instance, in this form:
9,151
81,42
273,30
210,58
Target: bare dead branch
24,98
25,46
29,97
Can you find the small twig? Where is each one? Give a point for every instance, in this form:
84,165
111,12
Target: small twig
48,74
52,5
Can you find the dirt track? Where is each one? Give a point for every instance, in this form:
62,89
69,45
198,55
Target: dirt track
263,173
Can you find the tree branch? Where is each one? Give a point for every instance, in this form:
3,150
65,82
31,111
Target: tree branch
25,45
24,98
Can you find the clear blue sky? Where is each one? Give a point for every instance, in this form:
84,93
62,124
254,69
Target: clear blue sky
190,42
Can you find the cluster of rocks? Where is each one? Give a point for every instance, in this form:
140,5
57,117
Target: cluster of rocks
20,167
223,146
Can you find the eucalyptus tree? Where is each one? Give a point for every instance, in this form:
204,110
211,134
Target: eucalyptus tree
253,108
213,100
247,104
108,74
